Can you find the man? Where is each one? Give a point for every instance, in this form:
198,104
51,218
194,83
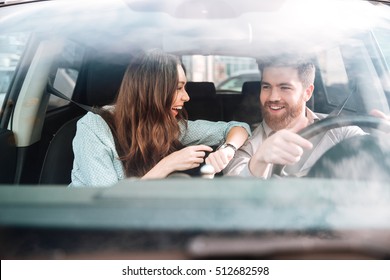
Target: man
285,88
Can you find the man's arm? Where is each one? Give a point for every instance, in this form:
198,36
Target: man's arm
285,147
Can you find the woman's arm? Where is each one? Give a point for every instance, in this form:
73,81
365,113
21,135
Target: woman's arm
215,134
96,162
184,159
209,133
197,136
235,138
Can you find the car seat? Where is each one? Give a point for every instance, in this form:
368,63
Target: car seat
204,103
249,108
97,86
245,107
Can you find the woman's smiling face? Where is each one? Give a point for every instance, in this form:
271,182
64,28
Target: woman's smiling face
181,94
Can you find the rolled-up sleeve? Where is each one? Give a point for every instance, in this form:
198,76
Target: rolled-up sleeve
208,132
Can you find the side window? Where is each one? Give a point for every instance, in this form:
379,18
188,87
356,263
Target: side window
338,85
349,71
12,46
382,36
65,73
334,76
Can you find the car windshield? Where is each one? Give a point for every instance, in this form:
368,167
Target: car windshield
73,164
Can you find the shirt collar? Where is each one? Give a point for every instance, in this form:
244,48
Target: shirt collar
311,116
267,129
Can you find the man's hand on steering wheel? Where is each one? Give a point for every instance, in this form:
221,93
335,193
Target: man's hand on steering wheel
285,147
380,122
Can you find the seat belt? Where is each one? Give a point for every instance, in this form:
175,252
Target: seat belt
50,88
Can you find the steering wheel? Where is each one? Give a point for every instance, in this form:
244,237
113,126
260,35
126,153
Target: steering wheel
336,122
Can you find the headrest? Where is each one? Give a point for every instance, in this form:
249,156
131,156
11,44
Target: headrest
201,89
251,87
103,83
99,81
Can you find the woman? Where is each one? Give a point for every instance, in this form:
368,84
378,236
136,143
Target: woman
145,133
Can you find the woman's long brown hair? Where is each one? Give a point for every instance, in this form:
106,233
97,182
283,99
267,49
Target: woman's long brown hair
144,129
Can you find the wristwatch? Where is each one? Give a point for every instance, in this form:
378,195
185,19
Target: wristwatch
225,145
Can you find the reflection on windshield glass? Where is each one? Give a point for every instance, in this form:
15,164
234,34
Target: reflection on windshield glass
11,48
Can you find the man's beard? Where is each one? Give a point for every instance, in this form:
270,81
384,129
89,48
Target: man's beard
281,122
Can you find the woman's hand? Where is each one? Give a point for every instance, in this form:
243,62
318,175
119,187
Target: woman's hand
220,158
187,158
184,159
